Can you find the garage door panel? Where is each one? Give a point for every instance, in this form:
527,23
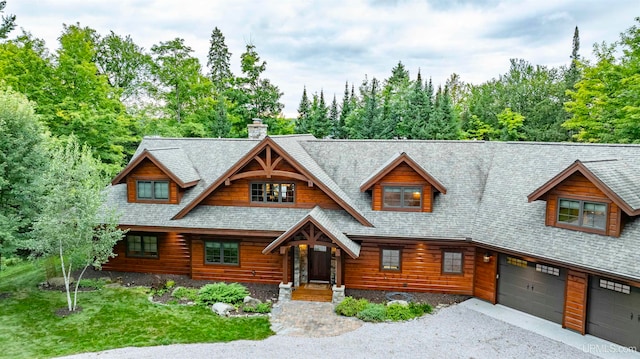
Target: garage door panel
613,315
528,290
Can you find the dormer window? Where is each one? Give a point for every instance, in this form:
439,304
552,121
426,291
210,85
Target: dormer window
270,192
152,190
582,213
399,197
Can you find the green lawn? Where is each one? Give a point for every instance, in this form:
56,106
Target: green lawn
110,318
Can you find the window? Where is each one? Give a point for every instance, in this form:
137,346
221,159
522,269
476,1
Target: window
452,262
582,213
402,197
517,262
142,246
267,192
548,269
390,259
616,287
153,189
221,253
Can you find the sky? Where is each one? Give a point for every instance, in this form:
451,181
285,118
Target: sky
321,45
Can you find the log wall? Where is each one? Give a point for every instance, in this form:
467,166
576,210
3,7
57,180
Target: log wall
254,266
173,257
421,270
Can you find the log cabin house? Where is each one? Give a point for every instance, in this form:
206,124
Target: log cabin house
550,229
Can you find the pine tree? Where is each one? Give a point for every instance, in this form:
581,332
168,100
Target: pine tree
220,126
304,110
442,124
341,131
218,61
319,110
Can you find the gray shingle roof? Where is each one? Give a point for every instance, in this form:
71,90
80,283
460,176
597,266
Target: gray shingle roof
621,176
176,161
487,187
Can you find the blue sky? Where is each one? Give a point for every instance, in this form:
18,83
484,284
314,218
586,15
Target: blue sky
322,44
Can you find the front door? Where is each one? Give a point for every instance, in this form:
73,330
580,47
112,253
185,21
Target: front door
320,263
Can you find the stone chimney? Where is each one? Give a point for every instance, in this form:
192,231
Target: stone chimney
257,130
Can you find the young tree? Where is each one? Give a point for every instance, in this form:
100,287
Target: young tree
22,161
510,126
218,61
8,22
74,223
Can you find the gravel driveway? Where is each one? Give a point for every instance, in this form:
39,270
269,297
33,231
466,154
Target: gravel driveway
452,332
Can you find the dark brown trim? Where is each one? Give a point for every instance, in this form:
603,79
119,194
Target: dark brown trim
391,248
247,158
403,158
147,155
214,231
216,240
402,185
578,166
453,250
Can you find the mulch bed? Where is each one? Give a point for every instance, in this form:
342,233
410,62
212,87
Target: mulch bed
64,312
264,292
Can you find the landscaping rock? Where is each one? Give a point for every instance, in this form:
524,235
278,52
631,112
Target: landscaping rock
252,302
222,309
59,281
403,303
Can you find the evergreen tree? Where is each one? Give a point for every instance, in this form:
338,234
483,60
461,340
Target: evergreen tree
221,126
334,119
341,131
573,73
304,111
218,61
442,124
320,124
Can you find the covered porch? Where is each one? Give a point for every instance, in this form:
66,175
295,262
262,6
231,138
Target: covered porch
313,252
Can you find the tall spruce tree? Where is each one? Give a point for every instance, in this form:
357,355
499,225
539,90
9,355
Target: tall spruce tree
573,73
334,119
320,124
345,110
218,61
304,111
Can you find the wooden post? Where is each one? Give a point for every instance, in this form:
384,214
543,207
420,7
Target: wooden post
285,264
338,268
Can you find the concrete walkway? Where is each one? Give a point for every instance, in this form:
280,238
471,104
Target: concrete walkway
586,343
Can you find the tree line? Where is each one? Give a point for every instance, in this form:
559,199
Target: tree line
585,101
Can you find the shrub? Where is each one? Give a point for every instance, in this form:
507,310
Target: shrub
418,309
92,283
233,293
399,312
182,293
170,284
372,313
350,306
262,308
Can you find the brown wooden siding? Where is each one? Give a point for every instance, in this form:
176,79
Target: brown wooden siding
421,270
579,187
146,170
484,285
173,257
237,194
254,266
403,175
575,305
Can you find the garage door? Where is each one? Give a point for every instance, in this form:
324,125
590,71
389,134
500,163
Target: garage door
614,312
534,288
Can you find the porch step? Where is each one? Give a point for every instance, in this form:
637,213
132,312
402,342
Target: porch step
313,292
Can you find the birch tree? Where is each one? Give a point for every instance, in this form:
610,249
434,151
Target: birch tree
74,223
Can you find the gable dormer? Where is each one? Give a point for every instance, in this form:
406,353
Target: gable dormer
400,184
591,196
269,175
158,176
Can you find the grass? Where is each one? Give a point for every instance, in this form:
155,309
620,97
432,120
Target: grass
110,318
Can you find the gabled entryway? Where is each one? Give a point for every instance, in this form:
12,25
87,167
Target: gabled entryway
313,253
